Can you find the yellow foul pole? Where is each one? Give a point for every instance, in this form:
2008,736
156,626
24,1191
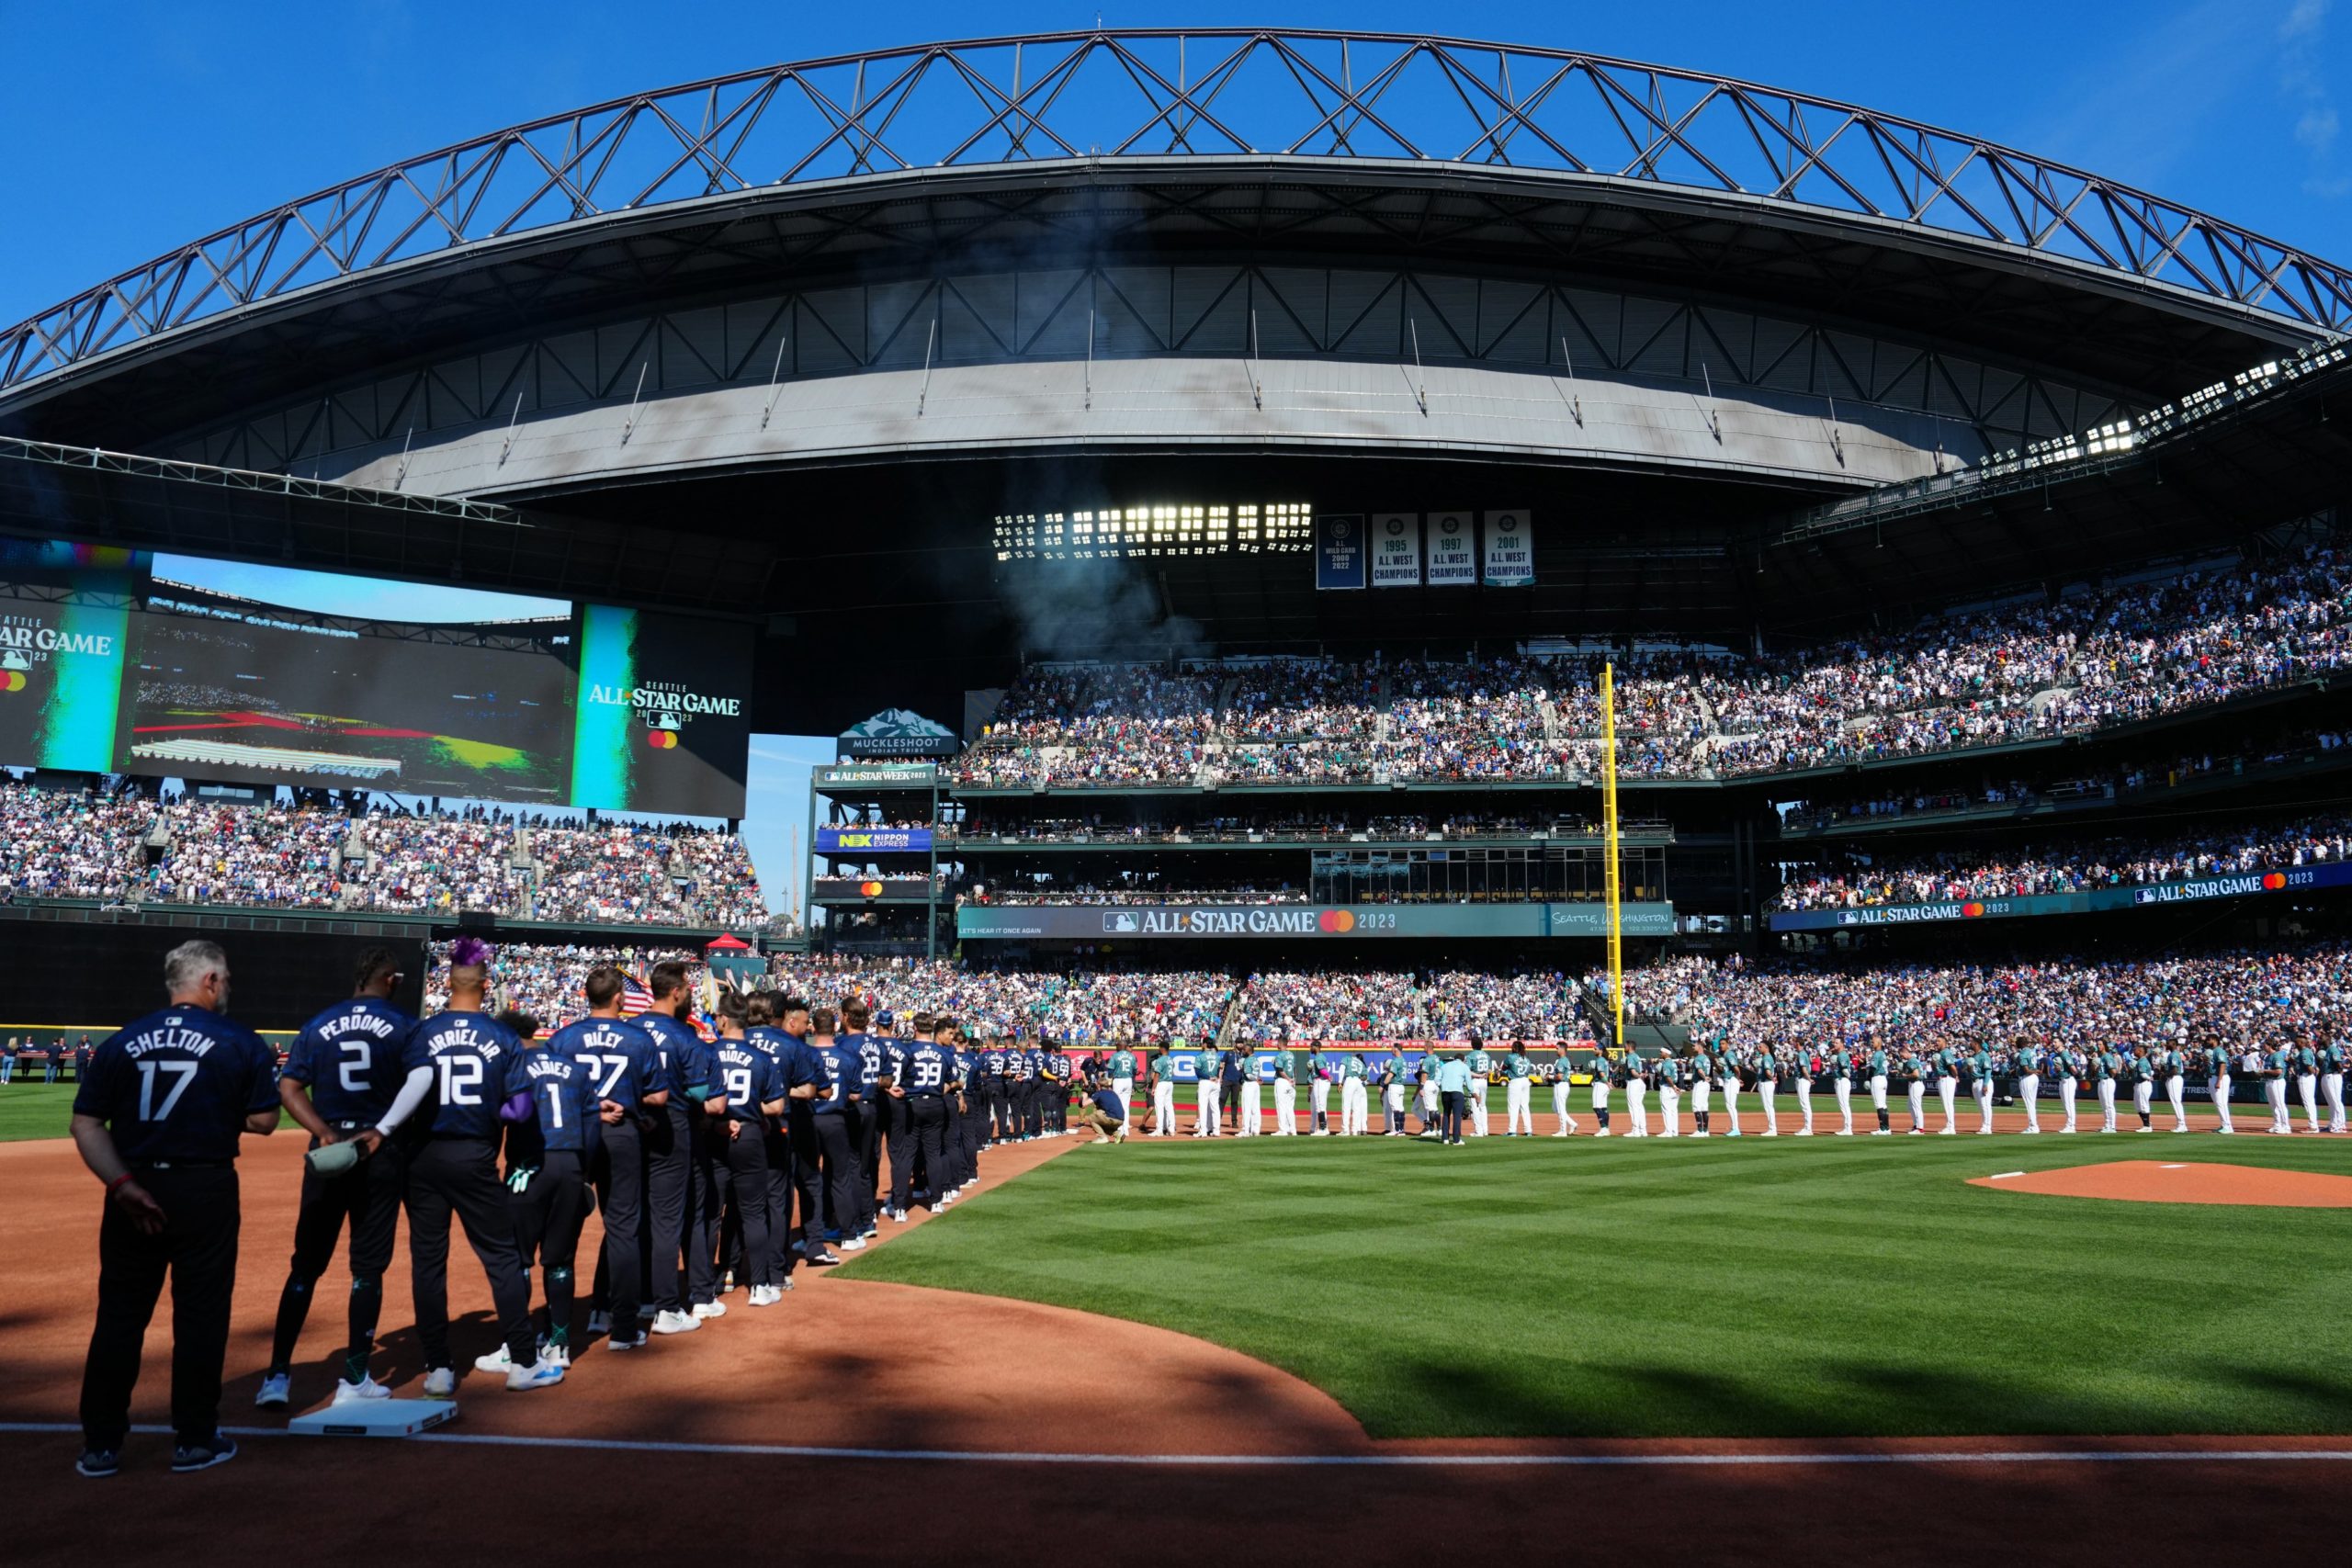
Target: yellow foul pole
1609,821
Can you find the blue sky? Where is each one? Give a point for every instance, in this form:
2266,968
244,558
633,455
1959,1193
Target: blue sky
146,124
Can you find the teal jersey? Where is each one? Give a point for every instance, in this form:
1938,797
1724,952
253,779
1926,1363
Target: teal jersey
2280,1060
1877,1064
1703,1067
1163,1065
1479,1064
2218,1061
2307,1059
1263,1065
1353,1070
1980,1065
1517,1066
1123,1064
1667,1072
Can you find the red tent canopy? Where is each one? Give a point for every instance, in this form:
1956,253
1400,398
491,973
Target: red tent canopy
728,945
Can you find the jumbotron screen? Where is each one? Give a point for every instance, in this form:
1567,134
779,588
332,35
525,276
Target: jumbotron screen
265,675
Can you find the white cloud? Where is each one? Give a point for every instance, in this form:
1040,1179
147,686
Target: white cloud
2304,19
2317,129
2308,87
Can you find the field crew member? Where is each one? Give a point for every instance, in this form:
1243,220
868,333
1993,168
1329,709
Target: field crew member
1286,1092
1163,1091
157,1118
1355,1110
1482,1073
1453,1080
1519,1092
1318,1088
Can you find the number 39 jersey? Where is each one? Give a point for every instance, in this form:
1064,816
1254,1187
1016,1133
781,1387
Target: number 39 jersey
178,1085
350,1055
468,1053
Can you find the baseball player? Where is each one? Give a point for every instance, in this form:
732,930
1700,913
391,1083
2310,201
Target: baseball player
2070,1065
1285,1093
1807,1069
1913,1069
1127,1066
2307,1081
2027,1059
1251,1115
1555,1073
1395,1075
829,1120
1980,1073
553,1119
2142,1068
1665,1076
1481,1062
1879,1064
750,1095
1209,1067
670,1134
1727,1080
2173,1064
2332,1057
1768,1086
920,1077
628,1075
1318,1089
1431,1099
2219,1059
1703,1084
1637,1090
1841,1079
1355,1110
2276,1065
455,1063
2111,1076
1604,1078
1163,1094
341,1075
1947,1086
158,1119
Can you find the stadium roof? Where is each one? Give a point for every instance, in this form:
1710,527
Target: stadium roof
1201,143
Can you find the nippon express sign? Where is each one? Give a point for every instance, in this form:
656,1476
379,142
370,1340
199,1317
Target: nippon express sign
872,841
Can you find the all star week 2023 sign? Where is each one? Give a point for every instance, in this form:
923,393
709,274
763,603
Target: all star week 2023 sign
1097,922
2301,879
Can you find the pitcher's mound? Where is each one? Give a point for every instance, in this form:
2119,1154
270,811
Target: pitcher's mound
2161,1182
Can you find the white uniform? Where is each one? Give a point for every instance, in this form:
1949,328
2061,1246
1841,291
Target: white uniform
1637,1107
1518,1107
1163,1107
1729,1084
1560,1087
1319,1094
1480,1064
1253,1113
1285,1100
1355,1107
2218,1067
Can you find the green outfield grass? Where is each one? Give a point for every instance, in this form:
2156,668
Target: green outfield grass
1527,1287
34,1110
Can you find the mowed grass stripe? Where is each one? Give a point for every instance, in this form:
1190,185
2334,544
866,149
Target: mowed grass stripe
1534,1288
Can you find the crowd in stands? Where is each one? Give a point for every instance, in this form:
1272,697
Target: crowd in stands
1145,896
71,843
549,981
1080,1007
2222,995
1873,879
2013,672
1369,1004
313,854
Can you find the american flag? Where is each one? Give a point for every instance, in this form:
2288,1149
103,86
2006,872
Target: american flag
634,997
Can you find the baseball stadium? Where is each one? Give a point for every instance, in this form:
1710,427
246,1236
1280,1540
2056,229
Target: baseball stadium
1475,596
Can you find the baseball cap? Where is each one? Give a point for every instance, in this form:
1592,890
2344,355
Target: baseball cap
884,1018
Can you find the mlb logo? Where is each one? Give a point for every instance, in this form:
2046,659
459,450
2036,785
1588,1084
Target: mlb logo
661,720
2144,895
1121,922
1848,918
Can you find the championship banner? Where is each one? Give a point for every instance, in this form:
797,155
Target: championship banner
1319,922
2300,879
1396,549
1339,552
1510,550
1452,549
872,841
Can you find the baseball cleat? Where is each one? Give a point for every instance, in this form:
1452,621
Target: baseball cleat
98,1463
440,1383
707,1310
366,1389
190,1457
277,1392
498,1361
539,1374
636,1341
678,1322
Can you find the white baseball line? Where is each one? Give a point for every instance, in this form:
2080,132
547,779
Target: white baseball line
1181,1461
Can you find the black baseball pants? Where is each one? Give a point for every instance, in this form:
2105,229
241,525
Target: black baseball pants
705,1205
548,1216
831,1144
924,1131
369,1196
617,1169
668,1176
744,1174
199,1250
460,1176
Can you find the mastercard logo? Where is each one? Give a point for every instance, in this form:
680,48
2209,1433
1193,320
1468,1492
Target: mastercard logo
1336,920
1970,911
661,739
870,890
2274,881
12,680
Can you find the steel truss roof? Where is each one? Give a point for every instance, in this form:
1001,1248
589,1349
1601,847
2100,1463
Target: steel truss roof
1093,99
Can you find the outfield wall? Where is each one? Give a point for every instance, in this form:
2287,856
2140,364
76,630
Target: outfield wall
75,977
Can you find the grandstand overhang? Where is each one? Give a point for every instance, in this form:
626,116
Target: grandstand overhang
1265,149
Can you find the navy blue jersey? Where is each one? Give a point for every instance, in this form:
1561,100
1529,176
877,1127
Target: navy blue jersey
624,1058
794,1065
673,1045
839,1063
1058,1065
965,1066
563,1099
468,1053
747,1077
869,1062
178,1085
928,1068
350,1055
700,1067
992,1063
